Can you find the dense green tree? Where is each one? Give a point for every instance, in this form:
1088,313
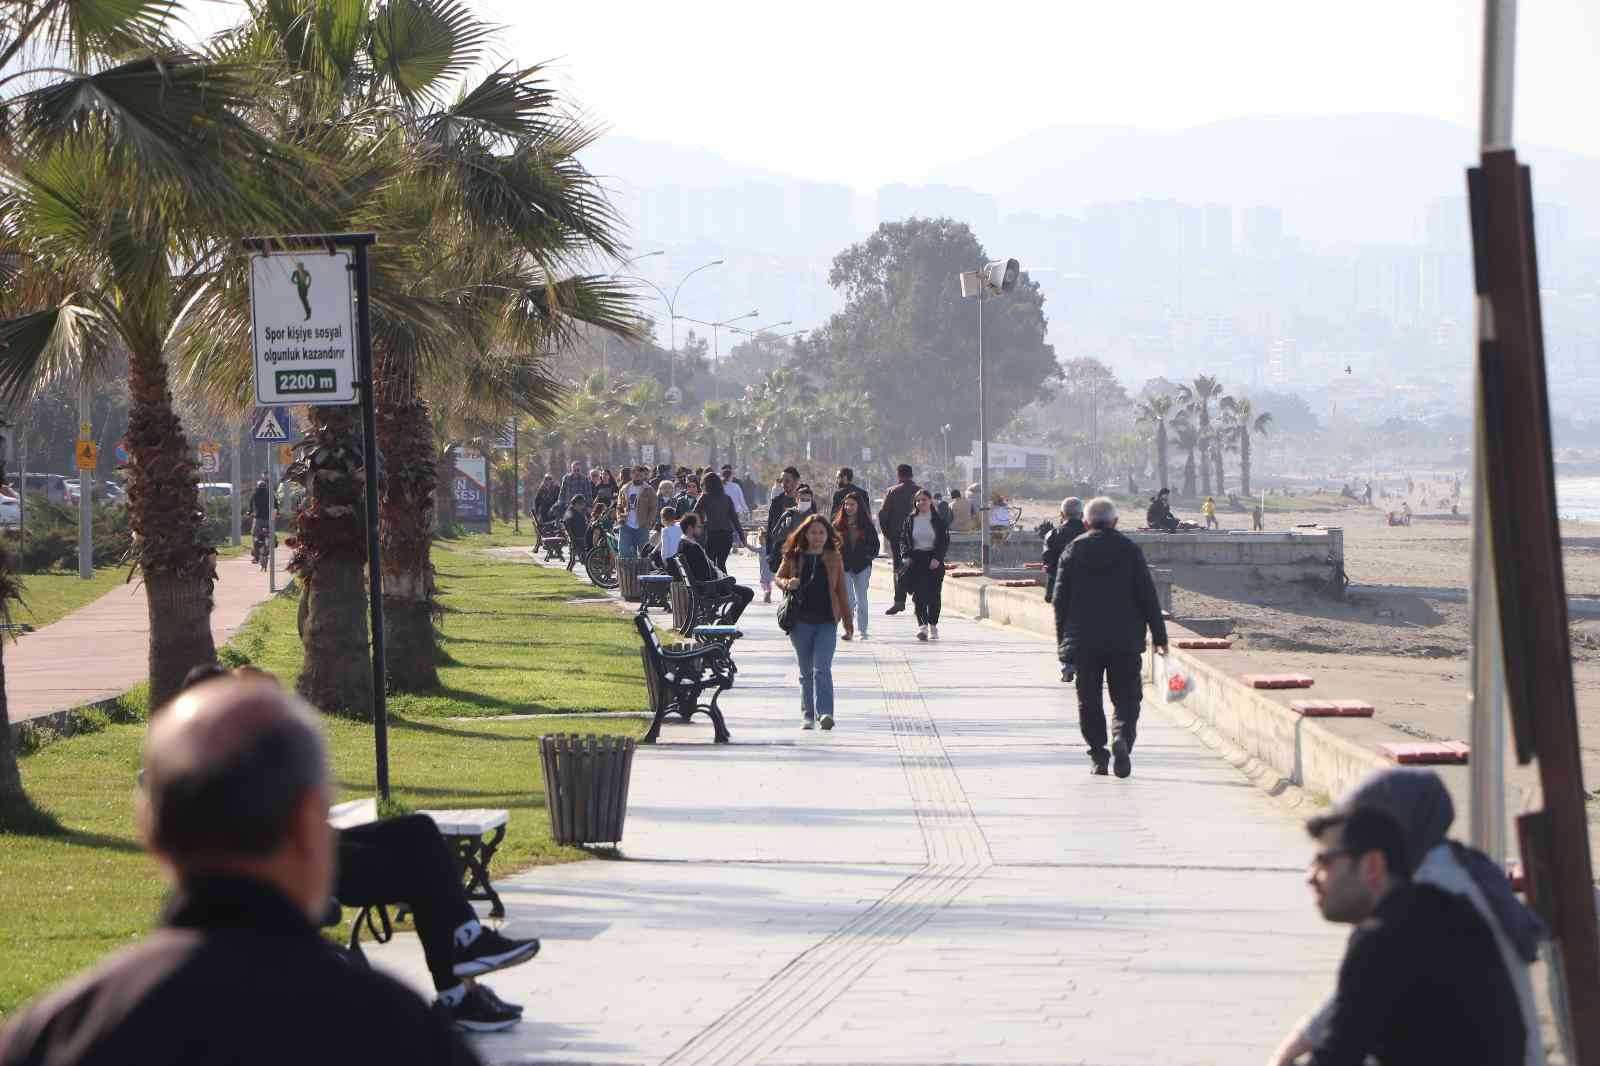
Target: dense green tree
907,338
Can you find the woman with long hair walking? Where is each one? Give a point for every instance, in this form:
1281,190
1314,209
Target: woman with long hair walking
719,518
859,546
924,540
812,574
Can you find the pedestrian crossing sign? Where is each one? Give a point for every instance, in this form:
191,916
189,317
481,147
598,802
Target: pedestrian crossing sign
272,427
88,454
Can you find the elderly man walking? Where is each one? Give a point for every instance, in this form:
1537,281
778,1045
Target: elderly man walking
234,808
1105,599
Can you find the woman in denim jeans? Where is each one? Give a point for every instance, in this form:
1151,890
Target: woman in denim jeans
812,572
859,546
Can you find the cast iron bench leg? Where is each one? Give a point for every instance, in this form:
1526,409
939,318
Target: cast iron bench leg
476,853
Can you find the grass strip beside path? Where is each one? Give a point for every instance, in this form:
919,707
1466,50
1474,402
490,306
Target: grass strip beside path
74,891
51,596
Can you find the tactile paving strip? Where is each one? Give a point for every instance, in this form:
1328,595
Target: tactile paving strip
958,854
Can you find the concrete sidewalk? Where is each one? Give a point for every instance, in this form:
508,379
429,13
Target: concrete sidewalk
938,880
103,649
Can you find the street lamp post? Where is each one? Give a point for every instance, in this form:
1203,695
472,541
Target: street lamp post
672,326
989,280
716,345
605,340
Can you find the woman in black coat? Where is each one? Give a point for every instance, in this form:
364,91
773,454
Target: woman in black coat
859,545
924,539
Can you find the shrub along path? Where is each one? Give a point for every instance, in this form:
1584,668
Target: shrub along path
76,885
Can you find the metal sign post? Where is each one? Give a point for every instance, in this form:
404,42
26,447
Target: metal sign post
272,429
1519,594
311,320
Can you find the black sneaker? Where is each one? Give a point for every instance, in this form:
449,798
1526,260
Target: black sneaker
491,952
1067,675
477,1013
489,994
1097,767
1121,762
896,609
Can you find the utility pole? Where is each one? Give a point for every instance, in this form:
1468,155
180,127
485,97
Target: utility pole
238,489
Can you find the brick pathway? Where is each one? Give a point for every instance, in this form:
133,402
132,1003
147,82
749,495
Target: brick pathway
938,880
101,650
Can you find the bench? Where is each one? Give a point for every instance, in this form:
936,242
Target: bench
473,835
552,538
676,680
655,591
700,603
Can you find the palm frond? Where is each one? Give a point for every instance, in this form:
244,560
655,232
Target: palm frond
38,348
508,103
419,46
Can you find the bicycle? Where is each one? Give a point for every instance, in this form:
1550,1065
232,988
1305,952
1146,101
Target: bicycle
600,561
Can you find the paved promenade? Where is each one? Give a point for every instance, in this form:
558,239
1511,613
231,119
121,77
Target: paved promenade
103,649
938,880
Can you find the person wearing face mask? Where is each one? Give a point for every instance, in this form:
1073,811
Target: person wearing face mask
787,522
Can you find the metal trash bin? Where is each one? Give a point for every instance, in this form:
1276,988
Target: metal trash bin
628,571
586,786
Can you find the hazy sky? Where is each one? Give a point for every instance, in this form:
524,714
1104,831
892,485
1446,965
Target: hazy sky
872,91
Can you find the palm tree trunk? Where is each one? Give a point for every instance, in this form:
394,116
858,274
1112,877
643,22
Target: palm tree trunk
178,561
1244,462
1161,448
1188,475
10,774
330,555
1205,461
410,478
1216,454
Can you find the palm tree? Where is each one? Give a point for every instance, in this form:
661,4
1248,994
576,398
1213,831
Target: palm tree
484,211
1197,401
1188,439
130,166
1241,420
1157,411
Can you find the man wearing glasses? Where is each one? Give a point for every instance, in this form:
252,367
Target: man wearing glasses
1421,980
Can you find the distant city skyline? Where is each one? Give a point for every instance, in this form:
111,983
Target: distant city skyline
866,95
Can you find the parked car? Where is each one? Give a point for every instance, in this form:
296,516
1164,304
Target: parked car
111,493
10,512
73,486
50,486
216,490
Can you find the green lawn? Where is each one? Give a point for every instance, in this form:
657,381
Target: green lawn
76,885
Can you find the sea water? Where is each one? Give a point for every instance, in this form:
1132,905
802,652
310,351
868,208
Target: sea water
1578,498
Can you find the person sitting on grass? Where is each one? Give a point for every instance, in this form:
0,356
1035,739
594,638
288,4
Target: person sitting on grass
576,523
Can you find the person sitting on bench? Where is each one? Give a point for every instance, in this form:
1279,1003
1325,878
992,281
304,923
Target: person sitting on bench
406,860
697,566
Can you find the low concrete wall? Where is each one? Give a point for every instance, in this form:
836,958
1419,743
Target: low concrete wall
1297,751
1239,548
1301,751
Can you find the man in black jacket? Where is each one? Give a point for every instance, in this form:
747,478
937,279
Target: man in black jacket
699,568
1422,979
891,517
846,482
1070,529
235,807
1105,599
781,502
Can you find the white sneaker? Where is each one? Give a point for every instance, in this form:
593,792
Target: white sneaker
808,723
861,636
933,632
922,632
